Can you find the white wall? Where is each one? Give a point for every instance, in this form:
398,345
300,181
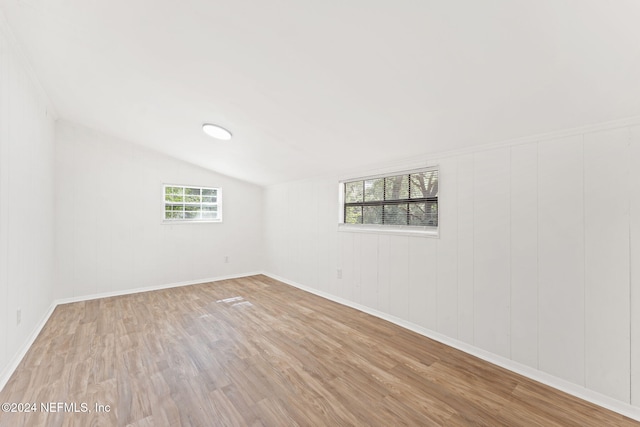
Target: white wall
537,259
109,207
26,203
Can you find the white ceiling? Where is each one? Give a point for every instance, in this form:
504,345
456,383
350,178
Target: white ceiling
314,87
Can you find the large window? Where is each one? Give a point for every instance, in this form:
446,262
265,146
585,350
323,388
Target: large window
400,200
192,204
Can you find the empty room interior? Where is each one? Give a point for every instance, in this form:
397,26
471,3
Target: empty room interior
319,213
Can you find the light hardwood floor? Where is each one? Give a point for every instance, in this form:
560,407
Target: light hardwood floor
257,352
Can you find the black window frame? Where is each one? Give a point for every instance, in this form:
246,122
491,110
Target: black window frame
405,202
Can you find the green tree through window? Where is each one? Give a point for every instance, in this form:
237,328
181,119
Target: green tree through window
409,199
182,203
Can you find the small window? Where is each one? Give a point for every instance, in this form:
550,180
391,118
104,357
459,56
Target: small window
400,200
192,204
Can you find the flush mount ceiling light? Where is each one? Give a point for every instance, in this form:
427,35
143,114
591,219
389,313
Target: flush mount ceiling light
216,131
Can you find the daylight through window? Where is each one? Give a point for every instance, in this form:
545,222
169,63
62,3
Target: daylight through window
186,203
408,199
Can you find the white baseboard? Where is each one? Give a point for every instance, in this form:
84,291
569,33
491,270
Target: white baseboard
534,374
10,369
152,288
13,365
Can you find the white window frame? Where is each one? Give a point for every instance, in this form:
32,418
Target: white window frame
217,204
411,230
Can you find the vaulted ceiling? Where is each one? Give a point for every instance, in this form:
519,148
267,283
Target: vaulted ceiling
310,87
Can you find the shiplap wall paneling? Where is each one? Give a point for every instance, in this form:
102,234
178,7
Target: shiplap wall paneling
171,239
19,195
491,251
356,272
194,263
110,243
308,260
524,254
4,205
561,257
15,143
606,171
327,236
296,235
398,276
270,236
447,249
313,222
145,274
85,219
115,203
423,286
345,289
634,182
304,250
121,177
283,231
465,205
385,281
369,270
64,254
275,224
287,233
522,267
26,201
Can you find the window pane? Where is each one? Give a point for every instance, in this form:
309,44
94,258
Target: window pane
395,214
174,207
397,187
173,198
192,191
372,215
424,184
423,214
209,199
174,190
192,215
192,208
353,215
209,192
353,192
209,215
374,190
432,213
417,214
210,208
174,215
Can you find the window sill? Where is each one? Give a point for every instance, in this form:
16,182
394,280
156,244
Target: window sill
180,222
401,231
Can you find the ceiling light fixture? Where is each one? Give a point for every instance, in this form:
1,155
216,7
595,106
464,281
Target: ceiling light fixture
217,132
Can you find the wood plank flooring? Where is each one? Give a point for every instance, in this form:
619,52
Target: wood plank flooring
256,352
